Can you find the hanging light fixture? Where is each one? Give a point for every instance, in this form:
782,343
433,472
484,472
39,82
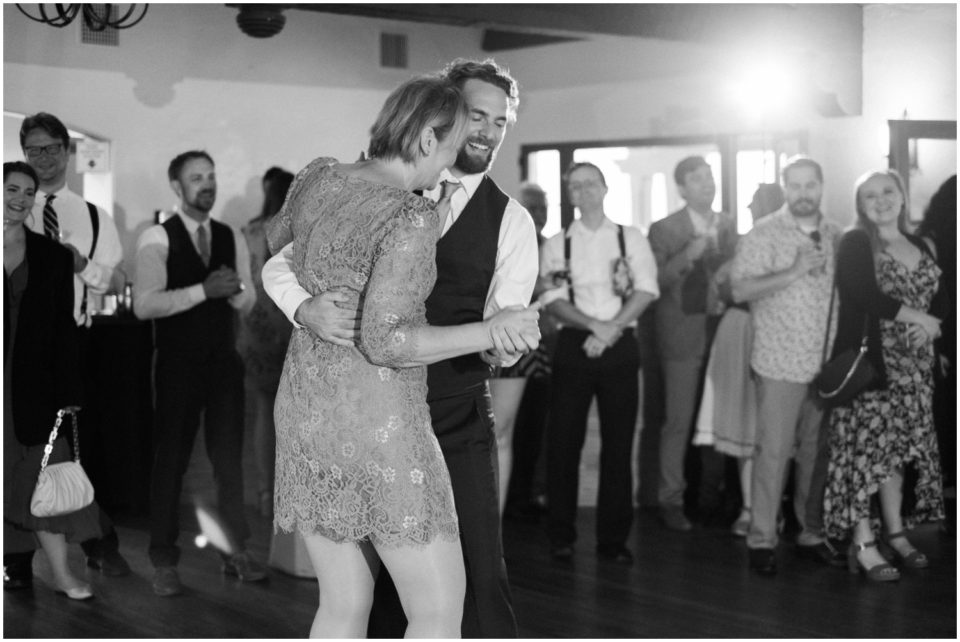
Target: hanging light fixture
96,16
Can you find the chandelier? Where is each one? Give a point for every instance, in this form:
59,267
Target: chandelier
96,16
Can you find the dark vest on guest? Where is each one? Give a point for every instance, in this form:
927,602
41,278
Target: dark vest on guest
206,329
466,259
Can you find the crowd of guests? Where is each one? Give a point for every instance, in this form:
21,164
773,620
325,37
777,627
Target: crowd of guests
375,299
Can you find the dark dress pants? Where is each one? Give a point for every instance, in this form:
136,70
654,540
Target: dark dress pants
184,387
464,427
613,379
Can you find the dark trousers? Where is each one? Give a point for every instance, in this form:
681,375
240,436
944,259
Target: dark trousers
613,379
185,387
464,427
90,436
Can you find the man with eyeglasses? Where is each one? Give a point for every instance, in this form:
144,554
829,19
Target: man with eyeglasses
604,277
91,235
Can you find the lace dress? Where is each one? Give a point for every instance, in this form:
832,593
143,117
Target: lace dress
884,430
357,458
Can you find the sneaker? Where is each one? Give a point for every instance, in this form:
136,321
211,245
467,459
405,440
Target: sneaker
111,563
244,568
166,581
674,519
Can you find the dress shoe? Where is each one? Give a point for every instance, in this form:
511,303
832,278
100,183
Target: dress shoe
674,519
244,568
561,552
111,563
79,592
762,561
824,552
166,581
617,554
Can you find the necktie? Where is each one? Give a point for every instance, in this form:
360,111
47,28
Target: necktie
203,245
51,224
447,190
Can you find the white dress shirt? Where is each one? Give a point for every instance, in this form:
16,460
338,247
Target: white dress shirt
515,271
152,299
592,254
76,230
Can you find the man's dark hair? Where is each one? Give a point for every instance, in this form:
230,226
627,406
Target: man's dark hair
19,167
176,165
800,161
48,123
686,166
461,70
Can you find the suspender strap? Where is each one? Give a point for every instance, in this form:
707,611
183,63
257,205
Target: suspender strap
566,255
95,226
623,246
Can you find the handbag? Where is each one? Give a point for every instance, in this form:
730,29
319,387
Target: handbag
61,488
849,373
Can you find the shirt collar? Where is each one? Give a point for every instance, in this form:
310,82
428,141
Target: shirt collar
192,225
703,222
64,189
470,183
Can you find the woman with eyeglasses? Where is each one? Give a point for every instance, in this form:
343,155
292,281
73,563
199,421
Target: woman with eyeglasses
41,376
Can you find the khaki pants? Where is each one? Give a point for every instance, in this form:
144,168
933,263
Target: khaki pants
788,424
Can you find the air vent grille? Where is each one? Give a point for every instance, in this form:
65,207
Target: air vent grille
393,50
109,36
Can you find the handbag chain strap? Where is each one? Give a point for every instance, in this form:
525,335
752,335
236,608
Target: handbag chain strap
48,449
826,334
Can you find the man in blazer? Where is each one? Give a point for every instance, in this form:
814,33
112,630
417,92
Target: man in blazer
690,245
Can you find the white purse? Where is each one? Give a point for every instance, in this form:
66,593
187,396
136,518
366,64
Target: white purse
61,488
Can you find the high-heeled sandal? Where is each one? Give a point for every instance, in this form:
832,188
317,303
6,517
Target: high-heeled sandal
883,572
913,559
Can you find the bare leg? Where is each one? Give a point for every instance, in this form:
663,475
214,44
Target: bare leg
345,573
55,546
506,395
891,500
863,534
431,582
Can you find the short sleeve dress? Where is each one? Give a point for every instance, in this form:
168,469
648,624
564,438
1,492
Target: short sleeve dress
357,459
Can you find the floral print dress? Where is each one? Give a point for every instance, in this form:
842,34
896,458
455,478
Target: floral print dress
882,431
357,459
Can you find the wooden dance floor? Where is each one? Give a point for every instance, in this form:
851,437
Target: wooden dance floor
692,585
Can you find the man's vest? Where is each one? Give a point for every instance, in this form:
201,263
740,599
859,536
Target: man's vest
208,328
466,260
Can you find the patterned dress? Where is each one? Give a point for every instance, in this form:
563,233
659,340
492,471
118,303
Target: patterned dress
357,459
885,430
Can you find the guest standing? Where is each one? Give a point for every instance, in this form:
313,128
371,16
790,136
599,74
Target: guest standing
886,279
192,277
40,377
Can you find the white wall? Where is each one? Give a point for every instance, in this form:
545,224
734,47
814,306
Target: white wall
909,61
186,77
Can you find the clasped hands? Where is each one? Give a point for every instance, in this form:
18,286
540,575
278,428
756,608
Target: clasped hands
603,335
514,330
222,283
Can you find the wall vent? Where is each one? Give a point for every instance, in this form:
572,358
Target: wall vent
109,37
393,50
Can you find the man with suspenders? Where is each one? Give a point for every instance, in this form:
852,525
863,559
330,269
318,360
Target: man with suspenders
604,276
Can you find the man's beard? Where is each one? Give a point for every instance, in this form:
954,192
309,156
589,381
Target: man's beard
469,163
201,204
811,208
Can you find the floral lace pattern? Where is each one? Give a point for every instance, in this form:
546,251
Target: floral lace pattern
884,430
357,458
